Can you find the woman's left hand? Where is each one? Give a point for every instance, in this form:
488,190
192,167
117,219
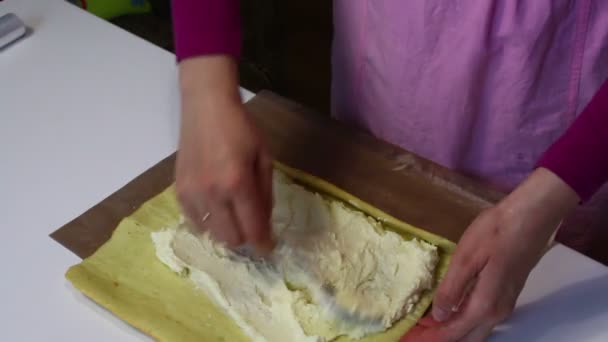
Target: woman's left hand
493,259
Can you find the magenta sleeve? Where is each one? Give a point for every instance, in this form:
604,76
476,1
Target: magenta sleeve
204,27
580,156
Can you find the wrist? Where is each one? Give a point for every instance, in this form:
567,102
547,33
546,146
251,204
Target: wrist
209,80
543,200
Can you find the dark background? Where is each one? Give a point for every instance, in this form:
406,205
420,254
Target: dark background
286,45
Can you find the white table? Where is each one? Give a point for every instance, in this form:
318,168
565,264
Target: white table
84,108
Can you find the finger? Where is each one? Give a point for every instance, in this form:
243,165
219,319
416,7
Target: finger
221,222
251,215
480,309
460,277
190,211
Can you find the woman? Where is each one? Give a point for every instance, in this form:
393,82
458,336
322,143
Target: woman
499,89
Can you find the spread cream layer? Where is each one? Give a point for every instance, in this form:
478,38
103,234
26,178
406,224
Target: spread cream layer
323,247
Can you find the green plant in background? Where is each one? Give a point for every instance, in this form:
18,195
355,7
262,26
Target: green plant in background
109,9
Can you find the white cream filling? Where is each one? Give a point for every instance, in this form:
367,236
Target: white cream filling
320,242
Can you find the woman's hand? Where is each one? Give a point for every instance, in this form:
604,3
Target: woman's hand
493,260
224,170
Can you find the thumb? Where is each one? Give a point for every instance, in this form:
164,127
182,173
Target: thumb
465,265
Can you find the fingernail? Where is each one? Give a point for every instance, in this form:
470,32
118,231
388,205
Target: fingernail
440,314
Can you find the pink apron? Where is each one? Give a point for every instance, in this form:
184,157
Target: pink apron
479,86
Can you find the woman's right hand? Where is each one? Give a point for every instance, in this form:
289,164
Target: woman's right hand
224,169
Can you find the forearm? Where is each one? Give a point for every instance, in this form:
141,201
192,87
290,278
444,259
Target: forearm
208,82
580,156
206,27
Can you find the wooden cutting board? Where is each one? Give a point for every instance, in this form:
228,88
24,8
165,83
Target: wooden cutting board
398,182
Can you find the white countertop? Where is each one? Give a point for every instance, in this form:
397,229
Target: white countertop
84,108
